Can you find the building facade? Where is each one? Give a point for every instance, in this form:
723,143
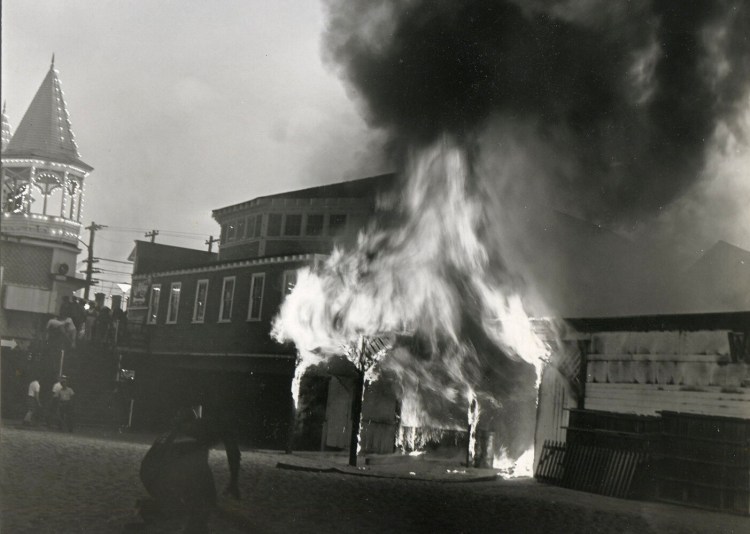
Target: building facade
42,203
200,323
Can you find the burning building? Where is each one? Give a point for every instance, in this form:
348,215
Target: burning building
499,114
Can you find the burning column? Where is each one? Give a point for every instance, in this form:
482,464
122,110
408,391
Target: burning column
473,417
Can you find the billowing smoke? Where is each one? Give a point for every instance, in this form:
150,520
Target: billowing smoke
626,95
494,109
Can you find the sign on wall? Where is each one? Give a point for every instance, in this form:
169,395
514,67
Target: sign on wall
140,291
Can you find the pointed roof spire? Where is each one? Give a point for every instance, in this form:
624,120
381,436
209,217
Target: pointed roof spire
45,130
5,128
53,61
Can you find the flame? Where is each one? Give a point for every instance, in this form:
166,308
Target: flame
425,275
508,467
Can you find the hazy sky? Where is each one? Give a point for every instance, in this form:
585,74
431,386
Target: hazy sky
185,106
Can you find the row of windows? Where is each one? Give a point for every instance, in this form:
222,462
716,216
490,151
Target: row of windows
280,224
255,304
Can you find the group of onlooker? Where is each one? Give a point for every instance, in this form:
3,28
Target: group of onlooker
78,320
86,320
58,411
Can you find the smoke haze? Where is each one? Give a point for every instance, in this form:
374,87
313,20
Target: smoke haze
626,96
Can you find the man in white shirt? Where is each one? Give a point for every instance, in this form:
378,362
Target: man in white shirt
65,395
53,409
32,402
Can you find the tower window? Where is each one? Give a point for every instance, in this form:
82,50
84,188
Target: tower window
314,225
293,225
274,225
336,223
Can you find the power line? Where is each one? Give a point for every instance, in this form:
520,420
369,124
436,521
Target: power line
110,281
163,232
116,261
116,272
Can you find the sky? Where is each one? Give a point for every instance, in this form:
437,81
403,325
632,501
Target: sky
186,106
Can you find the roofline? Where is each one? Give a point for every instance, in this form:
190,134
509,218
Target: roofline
285,194
79,166
232,264
738,320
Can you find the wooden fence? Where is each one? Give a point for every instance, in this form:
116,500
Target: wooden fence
705,462
599,470
690,459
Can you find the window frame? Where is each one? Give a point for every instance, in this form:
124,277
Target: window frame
321,228
205,301
172,287
225,281
253,281
250,226
284,281
272,217
285,228
240,224
153,315
232,230
340,228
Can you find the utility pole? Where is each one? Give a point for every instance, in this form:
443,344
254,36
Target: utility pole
210,242
152,234
92,228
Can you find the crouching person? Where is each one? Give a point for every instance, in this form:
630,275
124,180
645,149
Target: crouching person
176,474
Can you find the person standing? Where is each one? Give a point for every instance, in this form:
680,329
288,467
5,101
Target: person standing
65,396
175,470
53,408
67,308
32,402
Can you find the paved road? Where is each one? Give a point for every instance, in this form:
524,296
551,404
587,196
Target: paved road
56,482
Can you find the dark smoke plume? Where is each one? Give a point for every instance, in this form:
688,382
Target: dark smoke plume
629,93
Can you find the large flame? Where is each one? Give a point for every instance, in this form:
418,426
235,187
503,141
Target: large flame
425,275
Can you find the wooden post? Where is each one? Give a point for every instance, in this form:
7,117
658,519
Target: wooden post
62,359
130,413
359,390
292,421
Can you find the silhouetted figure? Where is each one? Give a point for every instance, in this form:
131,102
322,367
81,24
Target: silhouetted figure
90,322
120,320
61,333
175,470
67,309
103,321
79,314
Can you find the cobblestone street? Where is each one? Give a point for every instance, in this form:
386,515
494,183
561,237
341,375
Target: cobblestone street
57,482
